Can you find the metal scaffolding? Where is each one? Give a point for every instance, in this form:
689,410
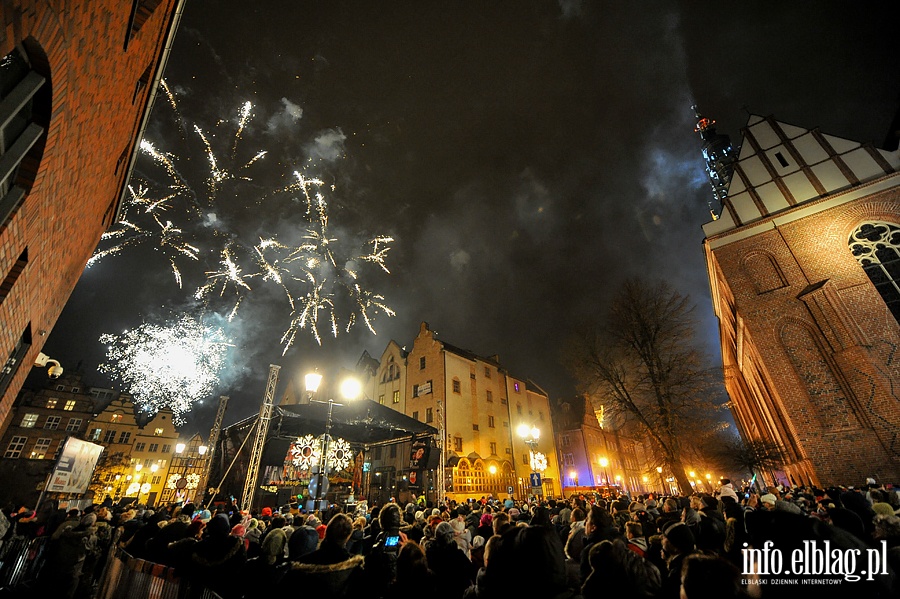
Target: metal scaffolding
262,429
213,441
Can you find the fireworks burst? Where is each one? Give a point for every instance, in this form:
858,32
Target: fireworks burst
170,366
319,273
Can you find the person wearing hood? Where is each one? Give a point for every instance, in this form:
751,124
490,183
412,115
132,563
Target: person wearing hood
253,534
216,561
274,543
451,568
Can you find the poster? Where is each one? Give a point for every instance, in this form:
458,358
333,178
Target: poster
75,467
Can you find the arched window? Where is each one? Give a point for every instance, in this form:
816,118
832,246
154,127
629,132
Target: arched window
876,246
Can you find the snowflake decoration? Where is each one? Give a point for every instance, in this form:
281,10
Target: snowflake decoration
338,454
172,480
133,489
192,481
305,452
538,462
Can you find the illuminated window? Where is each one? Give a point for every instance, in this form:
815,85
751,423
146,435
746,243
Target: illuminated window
516,386
117,417
397,396
876,246
28,421
52,423
51,403
41,446
14,449
70,405
158,432
95,434
381,399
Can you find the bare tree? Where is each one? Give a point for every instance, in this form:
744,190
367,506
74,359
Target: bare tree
642,363
753,456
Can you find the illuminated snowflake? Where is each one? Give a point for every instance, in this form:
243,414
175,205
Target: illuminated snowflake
538,462
339,454
305,452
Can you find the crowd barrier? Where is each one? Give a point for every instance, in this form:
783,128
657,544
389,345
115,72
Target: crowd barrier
121,576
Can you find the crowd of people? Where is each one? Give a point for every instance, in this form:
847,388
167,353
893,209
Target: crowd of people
687,547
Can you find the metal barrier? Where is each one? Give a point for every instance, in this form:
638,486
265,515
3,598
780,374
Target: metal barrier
20,560
121,576
127,577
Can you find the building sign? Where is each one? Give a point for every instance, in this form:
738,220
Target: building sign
423,389
75,467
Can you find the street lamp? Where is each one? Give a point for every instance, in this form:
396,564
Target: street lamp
662,484
350,389
603,464
574,476
530,436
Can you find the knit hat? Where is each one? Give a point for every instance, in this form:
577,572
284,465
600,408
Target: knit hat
637,506
880,508
680,536
444,532
267,511
486,520
312,521
195,527
253,523
513,512
768,498
203,516
238,530
420,514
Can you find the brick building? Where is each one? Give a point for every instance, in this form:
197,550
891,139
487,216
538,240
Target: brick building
477,406
76,84
804,269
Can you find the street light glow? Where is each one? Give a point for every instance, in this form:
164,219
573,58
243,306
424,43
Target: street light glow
523,430
604,462
179,447
351,388
202,449
312,381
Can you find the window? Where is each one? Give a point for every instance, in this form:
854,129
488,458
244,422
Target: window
52,423
393,451
60,388
109,437
780,157
95,434
75,389
139,446
457,443
487,372
377,453
154,447
491,421
519,408
117,417
568,459
493,448
51,403
429,415
490,395
74,425
396,396
456,386
422,363
516,387
381,399
14,449
41,446
70,405
13,275
28,420
525,458
415,391
140,12
167,449
158,432
124,437
474,427
876,246
20,133
415,416
564,440
155,480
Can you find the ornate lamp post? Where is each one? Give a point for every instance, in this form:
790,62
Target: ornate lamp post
350,390
530,436
603,464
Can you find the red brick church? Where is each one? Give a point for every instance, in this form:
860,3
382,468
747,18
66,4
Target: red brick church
803,257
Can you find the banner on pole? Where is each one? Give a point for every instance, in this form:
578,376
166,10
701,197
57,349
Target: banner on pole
75,467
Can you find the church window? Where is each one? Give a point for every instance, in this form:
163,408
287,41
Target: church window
876,246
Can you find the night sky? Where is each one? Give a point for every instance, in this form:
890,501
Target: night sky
526,156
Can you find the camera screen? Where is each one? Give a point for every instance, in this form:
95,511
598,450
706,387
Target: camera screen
391,541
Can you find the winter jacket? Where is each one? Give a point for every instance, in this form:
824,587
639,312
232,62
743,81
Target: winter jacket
323,581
